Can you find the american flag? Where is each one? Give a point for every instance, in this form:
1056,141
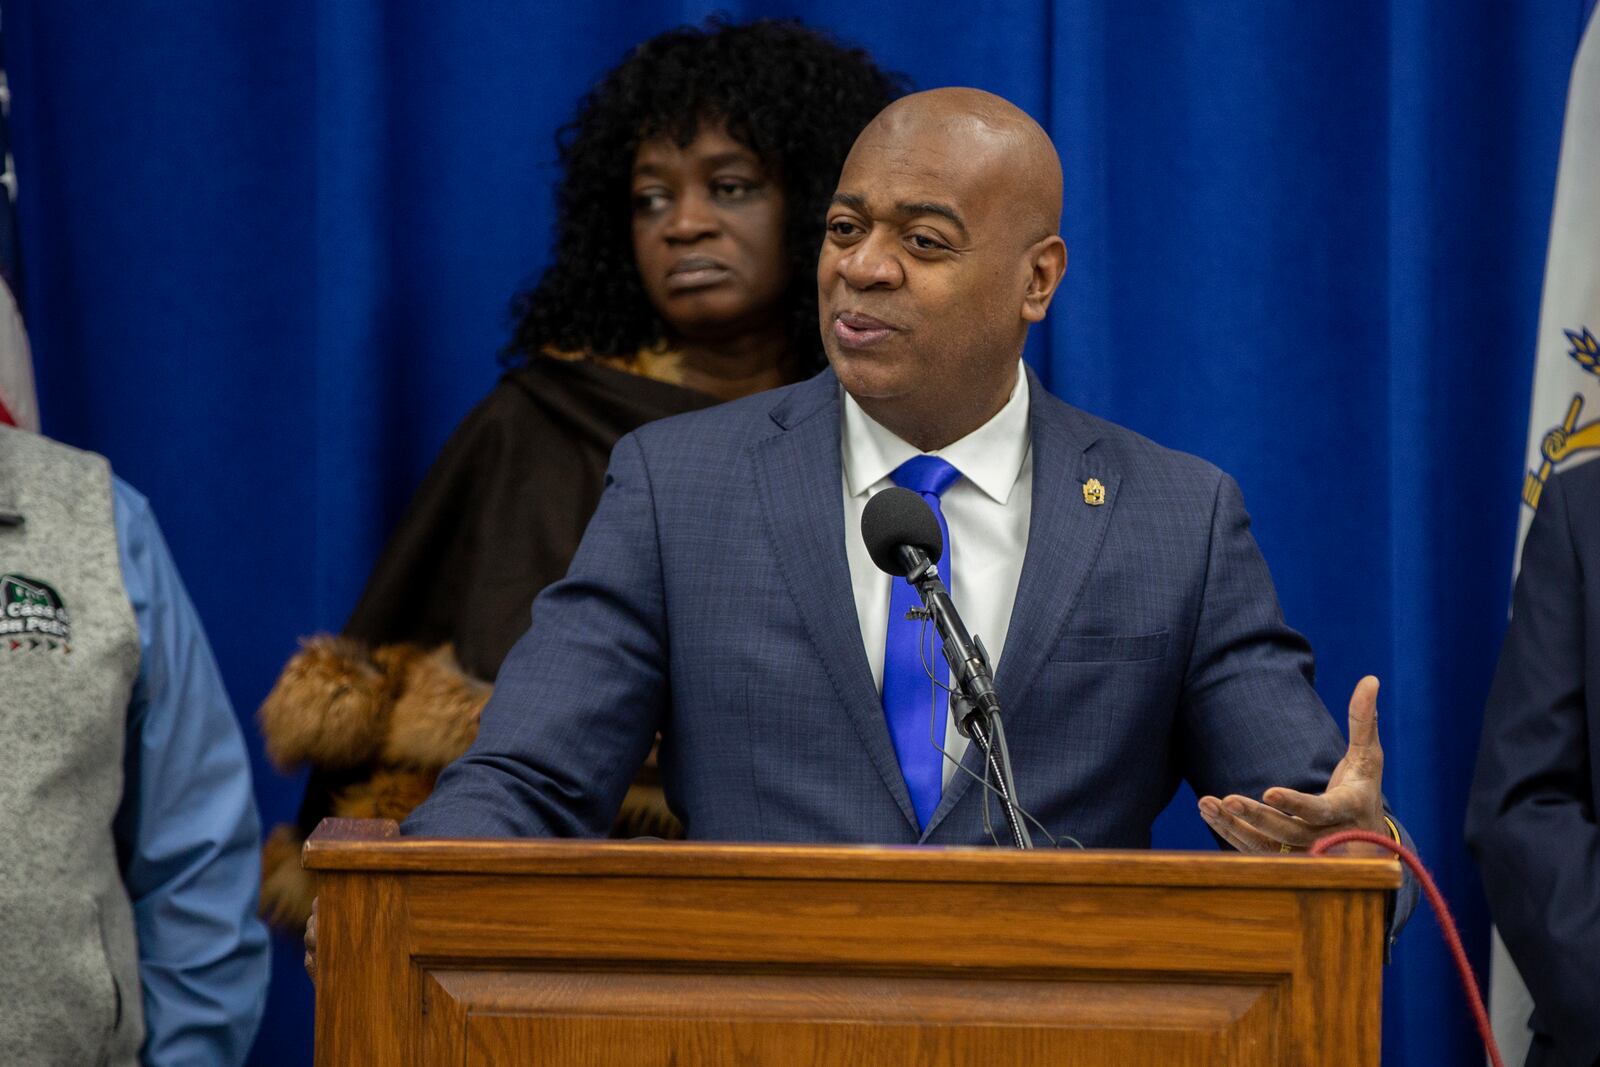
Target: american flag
19,404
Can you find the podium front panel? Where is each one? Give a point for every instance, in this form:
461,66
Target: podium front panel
599,955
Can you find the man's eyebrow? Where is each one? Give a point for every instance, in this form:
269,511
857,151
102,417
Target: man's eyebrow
852,201
929,207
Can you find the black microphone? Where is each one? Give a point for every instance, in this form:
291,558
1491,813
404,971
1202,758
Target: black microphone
895,518
902,537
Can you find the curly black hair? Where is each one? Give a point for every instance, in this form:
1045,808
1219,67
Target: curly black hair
790,94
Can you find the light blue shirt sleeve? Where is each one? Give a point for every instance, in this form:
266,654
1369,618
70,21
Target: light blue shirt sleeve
188,837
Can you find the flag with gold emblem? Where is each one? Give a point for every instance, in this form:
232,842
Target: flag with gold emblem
1564,425
18,404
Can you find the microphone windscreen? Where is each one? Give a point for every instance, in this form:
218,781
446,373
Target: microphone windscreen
898,517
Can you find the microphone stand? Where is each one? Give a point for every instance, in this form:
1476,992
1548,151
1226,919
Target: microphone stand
998,759
975,703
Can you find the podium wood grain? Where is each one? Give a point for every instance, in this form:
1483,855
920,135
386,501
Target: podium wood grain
589,953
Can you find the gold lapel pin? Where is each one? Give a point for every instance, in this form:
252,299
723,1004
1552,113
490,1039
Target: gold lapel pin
1094,494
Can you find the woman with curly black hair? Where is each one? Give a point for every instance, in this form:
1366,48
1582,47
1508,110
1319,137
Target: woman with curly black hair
789,99
694,184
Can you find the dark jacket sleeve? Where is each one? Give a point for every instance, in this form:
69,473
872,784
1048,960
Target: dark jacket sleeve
1531,819
580,697
496,520
503,508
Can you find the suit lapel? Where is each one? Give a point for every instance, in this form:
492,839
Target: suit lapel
1064,538
799,481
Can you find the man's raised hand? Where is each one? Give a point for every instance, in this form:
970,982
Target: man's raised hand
1291,821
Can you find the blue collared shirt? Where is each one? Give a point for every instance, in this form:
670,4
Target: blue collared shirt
188,838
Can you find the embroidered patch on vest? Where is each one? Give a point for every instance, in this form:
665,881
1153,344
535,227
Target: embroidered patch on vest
32,616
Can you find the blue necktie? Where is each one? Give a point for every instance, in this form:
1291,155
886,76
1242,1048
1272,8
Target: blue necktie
911,702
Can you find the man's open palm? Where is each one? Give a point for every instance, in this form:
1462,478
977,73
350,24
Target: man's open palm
1289,820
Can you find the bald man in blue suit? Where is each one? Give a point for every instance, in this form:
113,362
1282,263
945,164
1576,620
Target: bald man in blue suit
719,595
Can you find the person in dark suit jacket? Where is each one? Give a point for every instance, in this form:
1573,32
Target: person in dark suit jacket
720,594
1531,818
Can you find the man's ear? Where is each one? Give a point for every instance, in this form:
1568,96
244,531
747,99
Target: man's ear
1047,262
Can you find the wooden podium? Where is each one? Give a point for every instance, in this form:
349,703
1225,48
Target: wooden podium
587,953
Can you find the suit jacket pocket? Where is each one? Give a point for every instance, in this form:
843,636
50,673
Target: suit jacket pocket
1113,648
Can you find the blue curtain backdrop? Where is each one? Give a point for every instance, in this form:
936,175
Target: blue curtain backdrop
269,249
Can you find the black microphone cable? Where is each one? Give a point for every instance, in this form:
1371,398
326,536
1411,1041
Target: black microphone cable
988,763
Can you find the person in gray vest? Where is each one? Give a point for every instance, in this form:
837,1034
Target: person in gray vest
128,831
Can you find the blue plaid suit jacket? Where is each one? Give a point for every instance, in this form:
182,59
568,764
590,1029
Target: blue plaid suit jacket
711,600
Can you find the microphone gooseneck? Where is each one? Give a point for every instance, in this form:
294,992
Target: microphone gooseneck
902,536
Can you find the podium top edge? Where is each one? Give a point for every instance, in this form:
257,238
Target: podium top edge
375,846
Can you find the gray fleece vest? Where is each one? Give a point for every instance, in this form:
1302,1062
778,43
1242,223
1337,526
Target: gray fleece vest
69,653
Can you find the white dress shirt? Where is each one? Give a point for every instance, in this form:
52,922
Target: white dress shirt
986,509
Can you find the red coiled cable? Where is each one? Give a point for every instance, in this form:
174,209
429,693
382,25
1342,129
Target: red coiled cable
1447,924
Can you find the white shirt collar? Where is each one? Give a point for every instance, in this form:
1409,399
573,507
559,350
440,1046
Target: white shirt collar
990,457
